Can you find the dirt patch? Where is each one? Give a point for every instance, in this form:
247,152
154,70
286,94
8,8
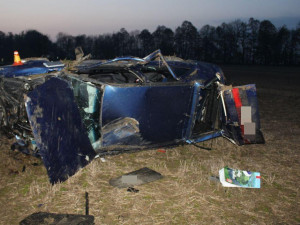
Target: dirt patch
185,195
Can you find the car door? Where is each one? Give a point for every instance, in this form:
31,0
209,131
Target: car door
152,114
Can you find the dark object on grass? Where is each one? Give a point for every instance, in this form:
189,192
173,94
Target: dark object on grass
132,189
203,147
138,177
24,168
214,179
86,203
13,171
60,219
55,219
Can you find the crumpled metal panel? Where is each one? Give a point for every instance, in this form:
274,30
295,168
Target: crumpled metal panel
243,122
30,68
57,219
122,131
58,129
163,112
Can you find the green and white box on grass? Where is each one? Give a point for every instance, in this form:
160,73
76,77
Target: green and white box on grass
239,178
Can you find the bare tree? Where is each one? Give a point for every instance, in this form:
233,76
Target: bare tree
266,41
186,37
164,40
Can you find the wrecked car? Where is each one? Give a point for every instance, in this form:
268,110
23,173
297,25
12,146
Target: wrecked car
124,104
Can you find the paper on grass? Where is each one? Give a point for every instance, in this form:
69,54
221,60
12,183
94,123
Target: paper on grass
239,178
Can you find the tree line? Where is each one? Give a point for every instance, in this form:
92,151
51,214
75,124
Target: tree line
236,42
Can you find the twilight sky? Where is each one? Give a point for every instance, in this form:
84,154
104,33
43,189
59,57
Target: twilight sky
99,16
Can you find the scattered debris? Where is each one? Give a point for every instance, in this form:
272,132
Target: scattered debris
214,179
129,179
13,171
102,159
40,205
86,203
57,219
161,150
203,147
239,178
60,219
131,189
138,177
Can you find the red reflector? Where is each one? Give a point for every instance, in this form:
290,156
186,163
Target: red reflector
236,97
258,177
161,150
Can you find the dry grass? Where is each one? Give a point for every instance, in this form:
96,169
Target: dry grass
185,195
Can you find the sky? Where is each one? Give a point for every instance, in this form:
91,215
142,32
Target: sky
93,17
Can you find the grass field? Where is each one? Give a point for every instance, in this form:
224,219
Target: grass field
185,195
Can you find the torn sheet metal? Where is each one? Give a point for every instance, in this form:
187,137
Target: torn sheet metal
243,125
31,67
57,219
58,129
162,111
123,131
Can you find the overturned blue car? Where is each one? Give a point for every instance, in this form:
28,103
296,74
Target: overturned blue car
104,107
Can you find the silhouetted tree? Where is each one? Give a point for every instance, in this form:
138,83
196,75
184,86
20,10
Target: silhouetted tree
164,40
294,56
120,40
208,48
266,41
240,32
146,42
80,40
2,47
133,46
282,46
104,47
186,40
227,41
66,45
252,40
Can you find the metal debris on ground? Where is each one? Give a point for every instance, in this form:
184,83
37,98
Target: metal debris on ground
214,179
138,177
57,219
131,189
60,219
103,159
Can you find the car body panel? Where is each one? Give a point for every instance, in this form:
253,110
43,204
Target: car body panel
236,99
31,67
162,111
58,129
